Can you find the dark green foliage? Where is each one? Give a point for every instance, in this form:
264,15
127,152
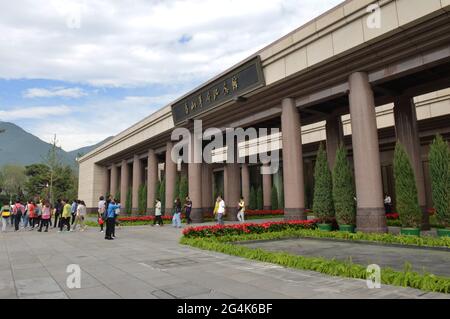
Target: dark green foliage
162,194
117,196
405,189
281,201
183,189
343,189
252,200
142,209
440,179
274,198
259,199
323,198
128,202
176,193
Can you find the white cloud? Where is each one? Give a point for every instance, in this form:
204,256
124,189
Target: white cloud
73,93
140,42
37,112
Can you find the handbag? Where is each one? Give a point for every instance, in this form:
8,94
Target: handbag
100,221
6,214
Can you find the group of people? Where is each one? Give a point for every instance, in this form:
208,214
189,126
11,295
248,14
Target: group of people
38,215
108,210
220,210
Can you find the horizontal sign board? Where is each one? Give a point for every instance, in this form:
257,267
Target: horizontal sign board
236,83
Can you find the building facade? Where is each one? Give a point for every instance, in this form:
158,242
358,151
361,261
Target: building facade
364,74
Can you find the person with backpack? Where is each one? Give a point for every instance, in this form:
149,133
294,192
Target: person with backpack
45,216
18,210
5,212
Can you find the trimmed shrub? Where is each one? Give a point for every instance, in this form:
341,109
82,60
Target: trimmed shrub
162,194
440,179
129,202
184,189
406,190
274,198
259,198
323,194
142,199
343,189
177,189
252,201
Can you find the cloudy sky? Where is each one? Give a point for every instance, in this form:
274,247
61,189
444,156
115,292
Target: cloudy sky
88,69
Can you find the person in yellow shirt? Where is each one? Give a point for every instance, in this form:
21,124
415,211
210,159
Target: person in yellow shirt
66,214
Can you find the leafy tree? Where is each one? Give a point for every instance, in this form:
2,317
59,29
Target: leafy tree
129,202
405,189
343,189
274,198
12,180
323,194
252,200
440,179
259,199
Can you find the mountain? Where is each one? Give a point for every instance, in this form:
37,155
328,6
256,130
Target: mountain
22,148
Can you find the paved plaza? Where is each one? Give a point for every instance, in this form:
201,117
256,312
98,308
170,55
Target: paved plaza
148,262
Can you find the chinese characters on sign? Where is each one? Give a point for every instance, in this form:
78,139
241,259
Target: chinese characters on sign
238,82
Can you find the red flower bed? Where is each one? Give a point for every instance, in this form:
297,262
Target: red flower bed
251,212
393,216
248,228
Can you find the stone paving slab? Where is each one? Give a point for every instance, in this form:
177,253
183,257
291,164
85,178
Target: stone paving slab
148,262
422,260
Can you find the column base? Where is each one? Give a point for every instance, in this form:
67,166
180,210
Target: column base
168,212
371,220
231,214
294,214
267,207
197,215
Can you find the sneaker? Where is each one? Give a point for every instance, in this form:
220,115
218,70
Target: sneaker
59,231
45,231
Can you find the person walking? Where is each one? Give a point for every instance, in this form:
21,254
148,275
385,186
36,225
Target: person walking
31,209
18,210
5,212
111,219
79,216
176,219
188,209
39,207
220,210
45,217
65,217
58,212
101,212
73,210
387,204
241,210
158,215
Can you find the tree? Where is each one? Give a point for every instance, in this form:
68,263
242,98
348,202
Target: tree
252,200
440,179
129,202
176,193
259,199
162,194
274,198
12,180
53,163
142,202
323,197
184,189
343,189
405,188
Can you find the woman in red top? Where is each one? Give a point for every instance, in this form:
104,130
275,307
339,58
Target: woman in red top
32,214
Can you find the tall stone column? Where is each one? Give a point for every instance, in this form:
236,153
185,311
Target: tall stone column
114,180
245,173
232,176
207,192
170,179
366,156
335,137
195,178
137,176
267,191
124,184
408,134
294,193
152,179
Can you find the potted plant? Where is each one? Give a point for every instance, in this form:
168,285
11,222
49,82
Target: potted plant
440,183
323,197
344,192
405,187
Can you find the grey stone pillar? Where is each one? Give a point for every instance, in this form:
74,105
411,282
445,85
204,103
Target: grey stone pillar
335,137
267,191
137,176
294,193
152,179
114,180
245,173
195,178
366,156
408,134
124,184
170,179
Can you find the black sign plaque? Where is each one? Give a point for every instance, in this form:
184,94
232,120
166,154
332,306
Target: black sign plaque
238,82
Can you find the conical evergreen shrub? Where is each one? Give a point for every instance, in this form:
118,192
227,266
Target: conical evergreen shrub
274,198
405,189
440,179
142,209
259,199
252,200
162,194
343,189
184,189
323,196
128,202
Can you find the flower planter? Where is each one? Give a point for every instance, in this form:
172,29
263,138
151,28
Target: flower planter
324,227
410,231
444,232
347,228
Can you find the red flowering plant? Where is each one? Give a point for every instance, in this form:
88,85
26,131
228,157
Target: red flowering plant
142,218
247,228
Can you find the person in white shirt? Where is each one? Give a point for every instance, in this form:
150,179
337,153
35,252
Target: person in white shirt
387,204
79,216
158,218
101,212
220,210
